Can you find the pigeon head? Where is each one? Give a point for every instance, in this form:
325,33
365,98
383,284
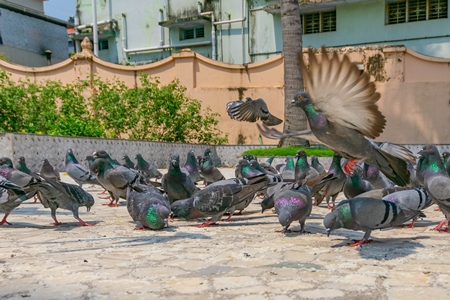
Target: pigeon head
99,166
70,157
207,152
6,161
138,156
429,150
285,220
21,160
301,99
300,153
445,154
90,203
331,222
157,216
101,154
181,208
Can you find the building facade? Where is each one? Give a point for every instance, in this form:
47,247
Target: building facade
249,31
28,37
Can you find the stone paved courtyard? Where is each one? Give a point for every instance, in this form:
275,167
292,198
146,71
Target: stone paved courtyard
243,259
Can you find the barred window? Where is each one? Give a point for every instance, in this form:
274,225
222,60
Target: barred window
103,45
192,33
319,22
402,11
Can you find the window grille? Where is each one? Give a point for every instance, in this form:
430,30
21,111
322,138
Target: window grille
403,11
319,22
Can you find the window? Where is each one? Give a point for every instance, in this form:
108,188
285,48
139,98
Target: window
402,11
192,33
319,22
103,45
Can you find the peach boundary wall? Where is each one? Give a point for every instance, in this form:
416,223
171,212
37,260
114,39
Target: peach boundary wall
415,89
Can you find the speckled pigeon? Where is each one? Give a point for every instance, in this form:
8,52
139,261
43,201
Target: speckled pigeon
341,109
218,198
77,172
437,181
146,168
367,214
11,196
251,111
56,194
149,207
176,183
48,171
294,204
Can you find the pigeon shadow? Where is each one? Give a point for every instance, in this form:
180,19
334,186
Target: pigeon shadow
159,239
66,226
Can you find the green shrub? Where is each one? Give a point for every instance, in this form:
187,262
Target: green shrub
291,150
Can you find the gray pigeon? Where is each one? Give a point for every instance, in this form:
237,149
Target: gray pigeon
57,194
315,163
251,111
177,184
342,114
367,214
375,177
355,185
191,165
127,162
331,189
218,198
77,172
22,166
48,171
146,168
437,181
303,171
149,207
267,165
110,179
11,196
413,199
131,175
209,171
294,204
15,176
288,172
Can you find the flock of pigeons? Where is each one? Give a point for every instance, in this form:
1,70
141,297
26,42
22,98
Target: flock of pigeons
384,184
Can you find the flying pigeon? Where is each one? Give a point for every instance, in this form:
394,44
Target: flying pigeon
341,109
77,172
367,214
437,181
251,111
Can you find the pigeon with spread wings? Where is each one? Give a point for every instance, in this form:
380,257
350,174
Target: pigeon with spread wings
342,114
251,111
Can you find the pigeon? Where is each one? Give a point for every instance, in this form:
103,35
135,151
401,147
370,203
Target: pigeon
218,198
271,191
56,194
176,183
375,177
317,165
11,196
268,165
22,166
209,171
128,163
191,165
146,168
90,159
445,158
413,199
331,189
294,204
303,171
341,109
288,172
149,207
15,176
437,181
251,111
111,180
77,172
130,175
355,185
48,171
367,214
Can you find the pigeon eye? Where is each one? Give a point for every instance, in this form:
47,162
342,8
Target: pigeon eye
428,147
300,97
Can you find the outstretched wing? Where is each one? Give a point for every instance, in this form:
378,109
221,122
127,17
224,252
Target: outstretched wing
272,133
343,93
251,111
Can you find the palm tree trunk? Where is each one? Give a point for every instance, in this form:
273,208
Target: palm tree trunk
294,118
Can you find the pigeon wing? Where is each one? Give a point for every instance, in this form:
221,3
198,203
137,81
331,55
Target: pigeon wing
343,93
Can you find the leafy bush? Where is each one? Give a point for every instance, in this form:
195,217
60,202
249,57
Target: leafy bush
150,112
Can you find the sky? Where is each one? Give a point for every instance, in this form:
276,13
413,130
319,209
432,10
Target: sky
60,9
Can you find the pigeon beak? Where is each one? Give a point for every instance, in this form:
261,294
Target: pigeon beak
328,232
